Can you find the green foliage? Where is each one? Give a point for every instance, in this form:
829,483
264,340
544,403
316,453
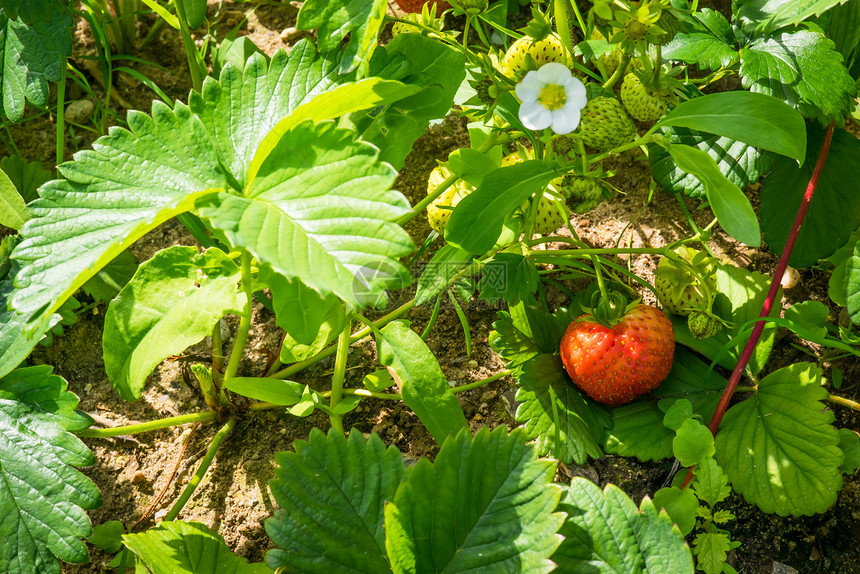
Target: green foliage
107,283
512,278
566,425
42,498
32,54
13,210
768,15
26,175
173,301
605,533
742,164
709,45
332,492
470,514
335,19
778,447
851,286
186,548
821,234
32,11
423,385
446,262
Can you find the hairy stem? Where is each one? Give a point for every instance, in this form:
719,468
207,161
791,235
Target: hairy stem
201,470
245,323
339,375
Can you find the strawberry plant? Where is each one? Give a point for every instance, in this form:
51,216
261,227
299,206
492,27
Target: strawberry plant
282,167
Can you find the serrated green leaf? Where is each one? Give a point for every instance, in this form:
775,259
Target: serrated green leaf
742,164
729,204
471,165
715,23
779,448
509,276
332,492
711,483
173,301
13,210
423,385
320,210
711,551
26,175
440,270
810,316
512,345
547,395
849,443
693,442
419,61
765,16
677,414
851,285
478,219
19,332
755,119
42,498
680,505
800,67
844,30
30,11
275,391
485,504
33,54
108,536
782,191
187,548
701,49
333,20
605,533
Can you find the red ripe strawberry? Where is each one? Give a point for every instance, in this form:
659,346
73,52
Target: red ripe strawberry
414,6
614,365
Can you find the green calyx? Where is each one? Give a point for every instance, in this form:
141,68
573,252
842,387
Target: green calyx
608,309
686,285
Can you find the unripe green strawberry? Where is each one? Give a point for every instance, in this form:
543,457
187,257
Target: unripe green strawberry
610,61
642,103
547,218
403,28
471,6
613,365
583,193
678,288
703,325
543,51
436,215
605,124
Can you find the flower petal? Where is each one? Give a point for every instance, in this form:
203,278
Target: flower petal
529,89
534,116
575,91
565,120
554,73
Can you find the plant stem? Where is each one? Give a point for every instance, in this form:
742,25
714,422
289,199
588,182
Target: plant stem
61,112
339,375
245,324
200,417
201,470
191,53
771,294
482,382
844,402
217,355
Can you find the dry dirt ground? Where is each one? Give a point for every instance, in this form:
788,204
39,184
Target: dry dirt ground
140,478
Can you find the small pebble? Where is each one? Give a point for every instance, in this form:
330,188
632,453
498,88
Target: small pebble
161,514
138,478
79,112
790,278
472,363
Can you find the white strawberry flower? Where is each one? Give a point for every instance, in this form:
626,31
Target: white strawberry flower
551,98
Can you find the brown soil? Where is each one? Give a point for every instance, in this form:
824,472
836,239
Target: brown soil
134,474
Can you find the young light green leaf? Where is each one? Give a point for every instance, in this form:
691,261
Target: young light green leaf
800,67
765,16
177,547
320,210
424,387
731,207
108,536
711,483
680,505
849,443
332,491
471,165
742,164
26,175
173,301
477,222
554,412
605,533
33,53
484,505
755,119
782,192
779,447
42,498
677,414
809,316
711,550
702,49
275,391
377,380
13,210
693,443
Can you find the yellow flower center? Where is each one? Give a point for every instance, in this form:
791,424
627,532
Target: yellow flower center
552,97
